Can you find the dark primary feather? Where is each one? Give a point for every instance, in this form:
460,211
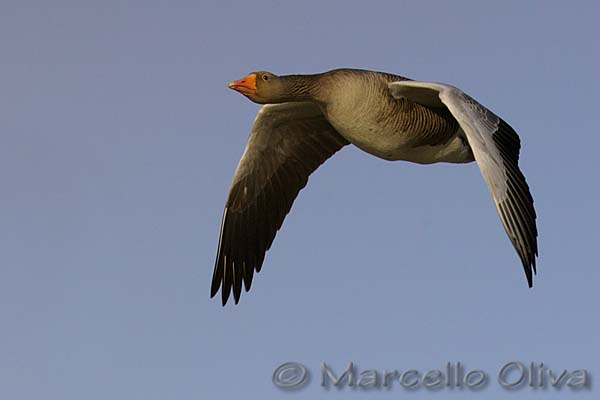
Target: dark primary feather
287,143
517,211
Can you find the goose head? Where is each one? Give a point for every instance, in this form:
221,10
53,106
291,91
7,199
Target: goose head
261,87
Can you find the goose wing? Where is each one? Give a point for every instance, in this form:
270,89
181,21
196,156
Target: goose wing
286,144
496,148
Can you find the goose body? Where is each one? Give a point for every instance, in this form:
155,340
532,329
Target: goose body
360,108
308,118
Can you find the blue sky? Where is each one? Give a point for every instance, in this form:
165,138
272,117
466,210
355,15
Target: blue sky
119,141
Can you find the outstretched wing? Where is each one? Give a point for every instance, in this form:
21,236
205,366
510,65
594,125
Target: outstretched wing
287,143
496,148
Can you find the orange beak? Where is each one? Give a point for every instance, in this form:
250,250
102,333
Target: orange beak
246,85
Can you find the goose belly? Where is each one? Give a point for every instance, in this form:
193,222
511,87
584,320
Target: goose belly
395,145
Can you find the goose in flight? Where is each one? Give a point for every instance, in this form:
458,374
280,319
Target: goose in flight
307,118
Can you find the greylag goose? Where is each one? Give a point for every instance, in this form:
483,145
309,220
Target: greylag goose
308,118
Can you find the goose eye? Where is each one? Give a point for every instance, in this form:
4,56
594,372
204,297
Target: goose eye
265,78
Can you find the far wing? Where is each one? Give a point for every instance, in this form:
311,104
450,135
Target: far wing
496,148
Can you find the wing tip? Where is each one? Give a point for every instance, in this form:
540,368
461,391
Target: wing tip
214,290
229,288
530,270
217,279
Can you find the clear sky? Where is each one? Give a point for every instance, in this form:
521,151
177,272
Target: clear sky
119,139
